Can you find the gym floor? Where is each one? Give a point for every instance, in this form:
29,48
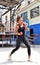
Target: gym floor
20,57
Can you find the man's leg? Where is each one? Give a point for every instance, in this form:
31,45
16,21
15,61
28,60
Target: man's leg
16,48
26,42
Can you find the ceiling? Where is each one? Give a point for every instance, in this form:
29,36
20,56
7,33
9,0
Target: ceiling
9,3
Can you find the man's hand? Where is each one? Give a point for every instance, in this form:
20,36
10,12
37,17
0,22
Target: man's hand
20,33
26,26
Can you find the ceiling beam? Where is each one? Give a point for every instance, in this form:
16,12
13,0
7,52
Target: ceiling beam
13,7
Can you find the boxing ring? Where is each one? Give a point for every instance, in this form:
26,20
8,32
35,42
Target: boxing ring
8,37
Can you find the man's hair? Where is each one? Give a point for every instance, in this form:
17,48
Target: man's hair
18,18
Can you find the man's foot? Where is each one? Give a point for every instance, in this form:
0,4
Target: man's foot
9,57
29,58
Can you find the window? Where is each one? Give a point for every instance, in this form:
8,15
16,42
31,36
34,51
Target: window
24,16
34,12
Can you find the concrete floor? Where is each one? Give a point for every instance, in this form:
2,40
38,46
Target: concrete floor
20,57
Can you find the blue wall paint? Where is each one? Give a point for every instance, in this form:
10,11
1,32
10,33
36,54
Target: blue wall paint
36,30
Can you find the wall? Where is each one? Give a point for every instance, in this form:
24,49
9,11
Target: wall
8,21
34,22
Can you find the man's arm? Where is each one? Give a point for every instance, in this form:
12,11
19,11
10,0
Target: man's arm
26,26
16,31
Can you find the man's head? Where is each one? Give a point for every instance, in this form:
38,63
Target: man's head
19,20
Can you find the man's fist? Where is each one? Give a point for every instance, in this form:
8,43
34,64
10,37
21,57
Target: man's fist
21,33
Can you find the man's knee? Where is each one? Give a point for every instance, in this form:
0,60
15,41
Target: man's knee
17,48
28,46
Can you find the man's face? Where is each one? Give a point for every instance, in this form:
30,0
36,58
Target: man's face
20,21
